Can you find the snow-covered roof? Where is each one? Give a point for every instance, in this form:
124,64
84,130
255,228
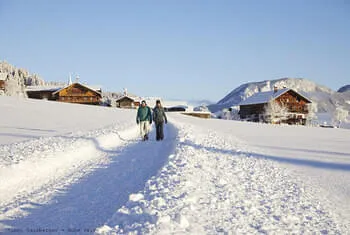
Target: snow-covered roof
178,106
126,96
93,87
265,97
42,88
87,87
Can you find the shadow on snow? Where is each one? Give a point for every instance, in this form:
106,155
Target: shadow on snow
295,161
91,201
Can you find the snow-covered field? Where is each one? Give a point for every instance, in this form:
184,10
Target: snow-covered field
79,169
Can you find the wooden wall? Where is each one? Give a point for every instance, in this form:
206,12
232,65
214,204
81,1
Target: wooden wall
2,84
78,94
198,114
294,102
127,103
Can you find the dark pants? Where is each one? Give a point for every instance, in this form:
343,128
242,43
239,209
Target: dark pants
159,131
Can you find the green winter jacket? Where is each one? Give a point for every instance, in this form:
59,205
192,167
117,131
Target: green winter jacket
159,115
144,114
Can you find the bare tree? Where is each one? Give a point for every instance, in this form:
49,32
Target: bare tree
340,115
311,116
12,88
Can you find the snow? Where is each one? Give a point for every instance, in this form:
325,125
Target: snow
25,119
79,169
43,88
263,97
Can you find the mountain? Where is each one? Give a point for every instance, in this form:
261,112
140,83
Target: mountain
198,103
17,79
325,99
344,89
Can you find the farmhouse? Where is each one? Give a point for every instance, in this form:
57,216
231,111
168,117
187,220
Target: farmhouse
3,77
296,105
45,93
199,114
127,102
78,93
2,84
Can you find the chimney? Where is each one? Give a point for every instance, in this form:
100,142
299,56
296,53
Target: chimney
70,80
275,89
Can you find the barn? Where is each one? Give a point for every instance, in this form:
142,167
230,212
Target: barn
254,107
45,93
127,102
78,93
2,84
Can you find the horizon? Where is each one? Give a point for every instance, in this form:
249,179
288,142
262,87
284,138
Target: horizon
171,49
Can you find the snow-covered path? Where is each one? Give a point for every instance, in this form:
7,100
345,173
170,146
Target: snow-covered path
215,184
88,183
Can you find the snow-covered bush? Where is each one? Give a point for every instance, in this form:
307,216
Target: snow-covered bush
311,117
14,88
340,115
275,112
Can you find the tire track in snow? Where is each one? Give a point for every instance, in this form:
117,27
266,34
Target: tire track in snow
105,171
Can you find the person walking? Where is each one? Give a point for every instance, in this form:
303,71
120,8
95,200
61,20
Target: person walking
144,118
159,118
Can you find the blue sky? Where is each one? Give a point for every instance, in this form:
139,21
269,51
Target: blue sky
183,49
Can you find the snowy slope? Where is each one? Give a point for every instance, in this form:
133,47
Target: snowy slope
206,177
23,119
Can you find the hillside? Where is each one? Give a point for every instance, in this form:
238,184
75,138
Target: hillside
325,99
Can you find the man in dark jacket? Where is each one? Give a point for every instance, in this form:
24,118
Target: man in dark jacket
144,118
159,118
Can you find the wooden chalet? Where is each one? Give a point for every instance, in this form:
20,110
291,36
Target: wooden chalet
41,93
2,84
78,93
253,108
127,102
178,108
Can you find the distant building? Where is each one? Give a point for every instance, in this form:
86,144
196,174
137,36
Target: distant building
199,114
2,84
127,102
78,93
254,107
177,108
45,93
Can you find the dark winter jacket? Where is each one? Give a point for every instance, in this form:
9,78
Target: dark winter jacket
159,115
